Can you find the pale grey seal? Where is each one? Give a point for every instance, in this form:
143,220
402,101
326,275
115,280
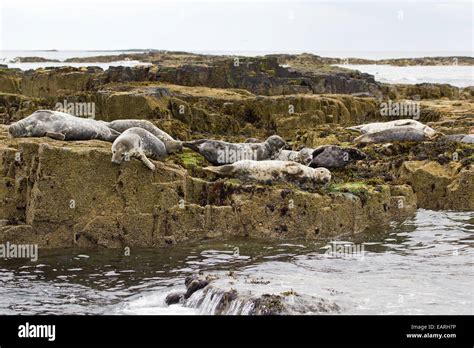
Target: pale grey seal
459,138
252,140
380,126
139,143
303,156
333,156
221,152
274,171
403,133
61,126
171,144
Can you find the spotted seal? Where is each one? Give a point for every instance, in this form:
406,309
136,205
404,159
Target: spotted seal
403,133
380,126
269,171
171,144
303,156
221,152
458,138
252,140
61,126
139,143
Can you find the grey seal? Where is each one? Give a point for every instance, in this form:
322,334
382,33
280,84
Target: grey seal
252,140
61,126
221,152
333,156
274,171
138,143
303,156
380,126
404,133
459,138
171,144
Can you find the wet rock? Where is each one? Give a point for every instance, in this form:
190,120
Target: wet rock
194,284
174,298
214,300
268,305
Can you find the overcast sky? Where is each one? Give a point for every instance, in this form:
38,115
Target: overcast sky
283,26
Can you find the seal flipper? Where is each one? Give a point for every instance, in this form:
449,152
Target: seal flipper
319,150
113,135
355,128
194,145
146,161
221,170
54,135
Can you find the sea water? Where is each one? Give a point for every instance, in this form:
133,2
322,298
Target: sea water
421,266
456,75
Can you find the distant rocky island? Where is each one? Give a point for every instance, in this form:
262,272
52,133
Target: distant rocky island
35,60
304,59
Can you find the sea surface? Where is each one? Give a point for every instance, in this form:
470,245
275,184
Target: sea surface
459,76
421,266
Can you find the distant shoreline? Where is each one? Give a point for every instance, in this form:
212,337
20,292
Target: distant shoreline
152,55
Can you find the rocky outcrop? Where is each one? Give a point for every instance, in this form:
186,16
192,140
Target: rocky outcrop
301,60
265,76
448,187
68,194
310,60
64,194
57,81
14,107
426,91
10,81
35,60
258,75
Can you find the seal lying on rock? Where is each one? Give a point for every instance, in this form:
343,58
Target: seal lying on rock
404,133
221,152
252,140
139,143
61,126
171,144
304,156
333,156
459,138
270,171
380,126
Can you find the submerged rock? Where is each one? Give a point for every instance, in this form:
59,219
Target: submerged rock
194,284
213,300
174,298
